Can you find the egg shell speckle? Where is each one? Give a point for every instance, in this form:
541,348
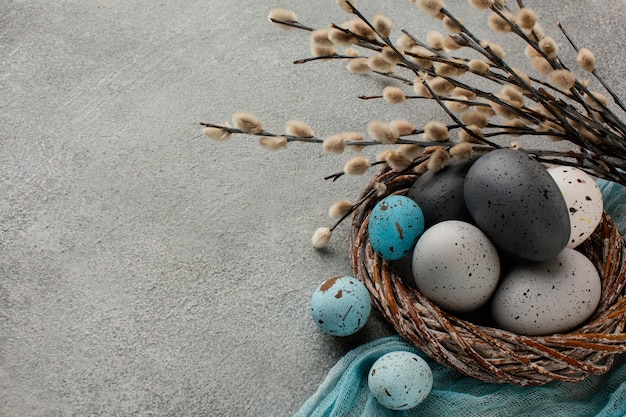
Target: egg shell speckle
400,380
440,194
340,306
584,201
541,298
515,201
456,266
395,224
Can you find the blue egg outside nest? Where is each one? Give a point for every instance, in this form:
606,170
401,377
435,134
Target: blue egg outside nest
395,224
340,306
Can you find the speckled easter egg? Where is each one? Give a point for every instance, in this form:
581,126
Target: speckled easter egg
395,224
340,306
440,194
584,201
541,298
400,380
456,266
515,201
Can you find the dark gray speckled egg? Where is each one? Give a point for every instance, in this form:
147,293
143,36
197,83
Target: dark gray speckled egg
516,202
440,195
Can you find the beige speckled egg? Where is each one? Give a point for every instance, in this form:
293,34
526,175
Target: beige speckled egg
583,199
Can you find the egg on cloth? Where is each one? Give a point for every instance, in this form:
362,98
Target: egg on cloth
340,306
517,203
395,224
584,201
541,298
456,266
400,380
440,194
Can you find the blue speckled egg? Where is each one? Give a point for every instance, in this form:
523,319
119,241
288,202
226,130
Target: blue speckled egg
340,306
395,224
400,380
517,203
440,194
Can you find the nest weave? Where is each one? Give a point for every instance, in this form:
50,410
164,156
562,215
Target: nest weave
486,353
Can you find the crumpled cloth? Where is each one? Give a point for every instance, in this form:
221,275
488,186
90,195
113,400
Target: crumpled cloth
344,392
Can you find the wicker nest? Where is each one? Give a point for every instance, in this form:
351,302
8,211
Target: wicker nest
480,351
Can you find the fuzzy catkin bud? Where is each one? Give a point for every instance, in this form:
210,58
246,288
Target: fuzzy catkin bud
273,143
562,78
586,59
481,4
478,65
299,129
449,70
593,103
450,25
345,5
320,37
382,132
410,151
321,51
498,24
362,29
382,24
396,161
284,15
436,131
541,65
405,42
462,151
353,137
393,95
458,106
434,39
357,165
438,160
334,144
549,47
321,237
379,63
449,43
441,86
358,66
512,96
402,127
247,123
473,137
420,56
390,55
341,38
526,18
340,209
351,52
432,7
216,133
474,118
494,48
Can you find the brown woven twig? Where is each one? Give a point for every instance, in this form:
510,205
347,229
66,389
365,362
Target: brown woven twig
486,353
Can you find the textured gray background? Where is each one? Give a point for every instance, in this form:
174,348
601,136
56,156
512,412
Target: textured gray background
145,270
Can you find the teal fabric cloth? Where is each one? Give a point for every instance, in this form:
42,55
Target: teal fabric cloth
344,392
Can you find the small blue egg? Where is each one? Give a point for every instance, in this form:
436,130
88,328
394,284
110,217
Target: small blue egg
340,306
400,380
395,224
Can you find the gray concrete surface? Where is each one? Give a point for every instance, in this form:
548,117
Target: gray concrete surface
147,271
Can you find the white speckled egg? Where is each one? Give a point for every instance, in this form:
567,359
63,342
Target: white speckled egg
340,306
400,380
456,266
541,298
583,199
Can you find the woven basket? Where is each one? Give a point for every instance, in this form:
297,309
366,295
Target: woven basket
486,353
